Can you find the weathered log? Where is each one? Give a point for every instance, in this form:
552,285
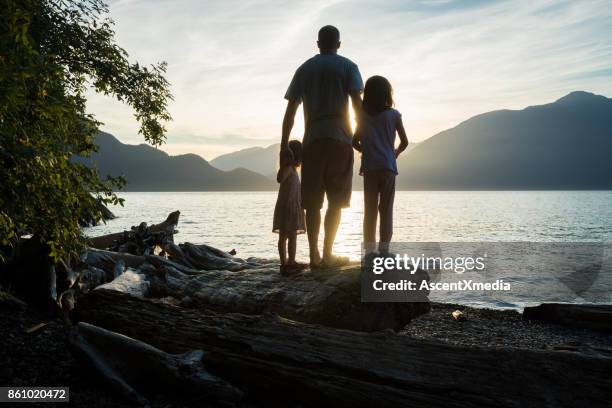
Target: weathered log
595,317
107,260
106,241
331,297
111,262
319,366
205,257
123,361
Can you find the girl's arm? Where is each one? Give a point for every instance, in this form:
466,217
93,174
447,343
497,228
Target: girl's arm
283,173
403,138
286,160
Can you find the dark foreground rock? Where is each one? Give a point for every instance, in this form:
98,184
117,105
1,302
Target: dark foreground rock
271,357
595,317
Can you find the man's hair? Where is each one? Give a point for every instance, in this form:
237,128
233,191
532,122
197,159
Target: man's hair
329,36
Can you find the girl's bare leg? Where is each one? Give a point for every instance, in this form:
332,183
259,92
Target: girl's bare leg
282,248
370,211
387,196
291,247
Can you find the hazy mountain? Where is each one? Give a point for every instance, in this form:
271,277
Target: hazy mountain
262,160
566,144
150,169
265,161
562,145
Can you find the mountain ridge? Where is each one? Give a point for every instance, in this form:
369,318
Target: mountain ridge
149,169
561,145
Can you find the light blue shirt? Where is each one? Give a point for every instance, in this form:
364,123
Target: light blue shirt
377,134
323,84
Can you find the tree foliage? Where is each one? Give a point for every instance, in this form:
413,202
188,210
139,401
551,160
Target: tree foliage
51,53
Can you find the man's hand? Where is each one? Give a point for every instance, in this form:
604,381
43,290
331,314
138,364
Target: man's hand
284,148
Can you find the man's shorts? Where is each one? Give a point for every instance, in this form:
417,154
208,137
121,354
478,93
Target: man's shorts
327,168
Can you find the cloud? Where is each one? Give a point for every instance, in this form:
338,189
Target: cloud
231,61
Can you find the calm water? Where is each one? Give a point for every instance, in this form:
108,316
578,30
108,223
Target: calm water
243,220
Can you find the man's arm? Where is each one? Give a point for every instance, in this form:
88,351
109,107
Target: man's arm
403,138
356,100
288,123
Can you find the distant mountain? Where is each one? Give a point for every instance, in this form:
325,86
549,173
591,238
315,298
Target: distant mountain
150,169
262,160
265,161
566,144
562,145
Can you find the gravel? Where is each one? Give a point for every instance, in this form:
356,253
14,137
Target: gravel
503,328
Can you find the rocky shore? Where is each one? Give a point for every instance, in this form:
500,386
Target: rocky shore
142,320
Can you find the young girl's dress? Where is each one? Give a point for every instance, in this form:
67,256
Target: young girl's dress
288,212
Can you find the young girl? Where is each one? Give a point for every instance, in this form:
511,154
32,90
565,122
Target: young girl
377,124
288,213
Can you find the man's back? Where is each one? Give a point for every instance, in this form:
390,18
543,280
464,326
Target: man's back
323,84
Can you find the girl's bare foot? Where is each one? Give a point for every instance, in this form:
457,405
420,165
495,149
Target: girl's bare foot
291,269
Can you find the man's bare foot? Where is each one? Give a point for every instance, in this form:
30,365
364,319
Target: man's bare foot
315,260
334,260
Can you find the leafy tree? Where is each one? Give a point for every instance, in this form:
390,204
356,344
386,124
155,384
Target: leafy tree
51,53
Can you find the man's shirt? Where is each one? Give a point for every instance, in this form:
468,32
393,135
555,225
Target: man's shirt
323,84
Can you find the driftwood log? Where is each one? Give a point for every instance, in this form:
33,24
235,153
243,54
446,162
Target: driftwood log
168,226
270,357
595,317
330,297
123,361
205,257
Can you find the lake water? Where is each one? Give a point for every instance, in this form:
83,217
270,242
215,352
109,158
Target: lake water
243,220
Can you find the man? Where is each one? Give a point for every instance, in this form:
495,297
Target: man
324,84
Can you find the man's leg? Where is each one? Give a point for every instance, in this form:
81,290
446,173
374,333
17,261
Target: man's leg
313,194
332,222
313,225
338,185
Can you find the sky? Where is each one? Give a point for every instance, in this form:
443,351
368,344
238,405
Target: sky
230,62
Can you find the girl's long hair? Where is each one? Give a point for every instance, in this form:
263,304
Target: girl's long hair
292,159
377,95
